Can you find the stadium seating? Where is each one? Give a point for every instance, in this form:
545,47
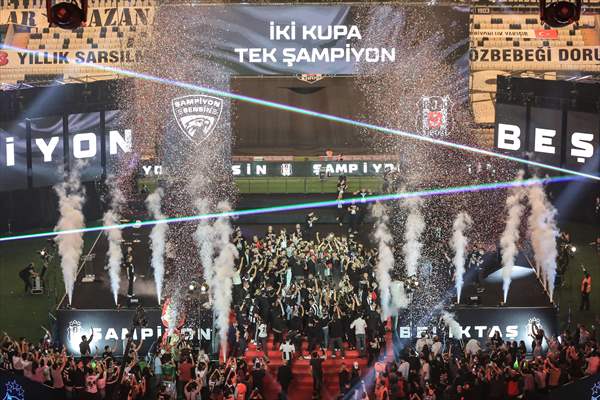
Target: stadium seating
524,3
507,27
98,39
510,31
33,4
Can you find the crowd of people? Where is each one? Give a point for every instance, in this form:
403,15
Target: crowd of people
317,296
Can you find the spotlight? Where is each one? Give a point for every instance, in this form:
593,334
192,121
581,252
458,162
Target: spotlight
573,249
560,13
67,15
411,283
204,288
192,286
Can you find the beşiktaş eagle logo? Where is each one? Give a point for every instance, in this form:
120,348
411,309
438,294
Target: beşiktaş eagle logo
533,321
14,391
197,115
74,331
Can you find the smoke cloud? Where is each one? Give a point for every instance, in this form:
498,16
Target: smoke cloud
224,270
452,324
400,299
510,236
415,224
217,255
543,233
71,196
205,238
459,244
158,239
385,262
115,253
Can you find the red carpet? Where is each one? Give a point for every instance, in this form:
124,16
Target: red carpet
302,384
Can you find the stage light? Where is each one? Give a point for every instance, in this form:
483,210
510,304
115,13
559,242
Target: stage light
67,15
192,286
573,249
560,13
204,288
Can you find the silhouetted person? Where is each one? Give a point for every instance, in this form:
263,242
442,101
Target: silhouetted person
284,377
586,289
26,275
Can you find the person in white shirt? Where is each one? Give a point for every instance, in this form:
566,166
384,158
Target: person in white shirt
287,350
262,335
436,347
422,341
359,325
404,368
472,347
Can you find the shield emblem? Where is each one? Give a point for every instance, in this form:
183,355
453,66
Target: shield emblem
74,331
197,115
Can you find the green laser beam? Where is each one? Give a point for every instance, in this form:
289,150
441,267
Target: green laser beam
300,206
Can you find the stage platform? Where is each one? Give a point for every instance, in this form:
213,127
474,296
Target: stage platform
93,308
525,288
478,313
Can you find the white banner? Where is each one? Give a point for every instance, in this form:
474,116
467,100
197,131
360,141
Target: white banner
543,55
18,59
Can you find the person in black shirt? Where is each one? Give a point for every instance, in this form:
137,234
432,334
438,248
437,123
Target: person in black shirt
336,332
258,374
130,276
84,346
284,376
26,275
344,379
108,351
316,364
78,380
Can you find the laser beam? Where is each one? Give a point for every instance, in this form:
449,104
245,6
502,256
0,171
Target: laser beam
302,206
311,113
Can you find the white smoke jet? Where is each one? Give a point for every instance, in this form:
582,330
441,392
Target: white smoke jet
115,254
399,298
510,236
385,262
224,269
453,326
415,224
205,237
158,239
543,233
171,316
71,197
459,244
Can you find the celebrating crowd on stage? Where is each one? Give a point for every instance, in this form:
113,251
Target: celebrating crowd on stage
311,297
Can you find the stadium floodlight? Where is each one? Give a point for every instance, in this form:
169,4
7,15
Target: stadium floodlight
67,15
559,14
